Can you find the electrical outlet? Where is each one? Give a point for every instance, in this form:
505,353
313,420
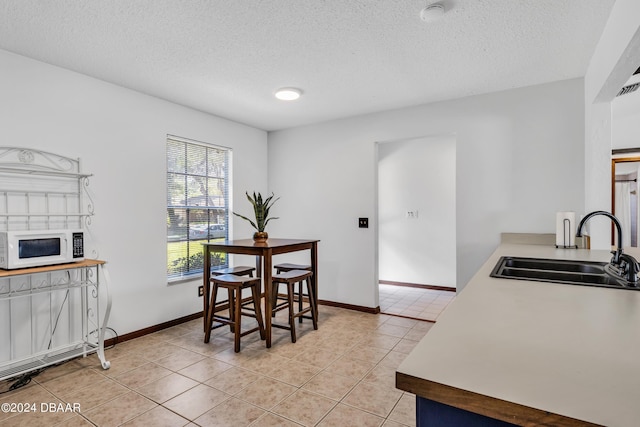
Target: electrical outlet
363,222
200,290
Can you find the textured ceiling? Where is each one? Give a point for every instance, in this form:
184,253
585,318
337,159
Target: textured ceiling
350,57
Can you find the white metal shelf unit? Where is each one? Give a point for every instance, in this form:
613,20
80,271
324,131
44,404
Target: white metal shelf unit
48,314
41,190
52,314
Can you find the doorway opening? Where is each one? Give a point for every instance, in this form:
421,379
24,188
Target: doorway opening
624,196
417,225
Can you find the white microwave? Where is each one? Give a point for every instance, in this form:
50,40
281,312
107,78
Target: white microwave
34,248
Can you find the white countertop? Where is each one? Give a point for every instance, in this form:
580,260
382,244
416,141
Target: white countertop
570,350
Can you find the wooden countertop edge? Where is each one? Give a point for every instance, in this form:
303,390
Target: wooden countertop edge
484,405
48,268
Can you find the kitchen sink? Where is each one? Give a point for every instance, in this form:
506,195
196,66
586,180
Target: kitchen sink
586,273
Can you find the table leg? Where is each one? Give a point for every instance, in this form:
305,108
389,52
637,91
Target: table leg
266,259
314,277
206,272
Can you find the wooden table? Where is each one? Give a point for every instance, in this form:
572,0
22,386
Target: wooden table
264,253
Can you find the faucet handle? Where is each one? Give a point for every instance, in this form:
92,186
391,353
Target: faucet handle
631,268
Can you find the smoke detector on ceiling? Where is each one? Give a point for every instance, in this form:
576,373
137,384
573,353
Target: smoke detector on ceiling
432,12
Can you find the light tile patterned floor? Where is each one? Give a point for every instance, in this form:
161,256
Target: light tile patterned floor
416,303
343,374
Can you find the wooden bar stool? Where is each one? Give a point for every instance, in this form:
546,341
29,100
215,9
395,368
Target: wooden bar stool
241,270
290,278
234,286
284,267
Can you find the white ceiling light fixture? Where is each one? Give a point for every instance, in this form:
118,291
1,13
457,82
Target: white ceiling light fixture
432,12
288,93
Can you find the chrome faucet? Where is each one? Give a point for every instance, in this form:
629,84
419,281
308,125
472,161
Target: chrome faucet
623,266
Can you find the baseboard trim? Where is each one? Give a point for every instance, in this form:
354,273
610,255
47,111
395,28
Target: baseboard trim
418,285
151,329
371,310
175,322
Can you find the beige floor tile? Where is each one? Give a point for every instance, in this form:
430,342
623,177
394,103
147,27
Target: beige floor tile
94,395
343,415
228,355
232,412
119,410
172,333
338,374
166,387
73,381
416,334
273,420
233,380
405,411
386,342
384,376
142,375
125,363
373,398
160,350
205,369
139,345
400,321
317,356
179,359
393,359
389,423
294,373
423,326
405,346
265,392
284,348
37,418
196,401
195,342
74,421
393,330
263,363
347,366
330,384
367,353
304,407
157,417
31,394
58,371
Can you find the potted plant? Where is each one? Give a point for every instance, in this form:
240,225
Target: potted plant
261,210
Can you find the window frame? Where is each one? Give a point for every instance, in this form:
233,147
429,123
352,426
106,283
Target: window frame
179,216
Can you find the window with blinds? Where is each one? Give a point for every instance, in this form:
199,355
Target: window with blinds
197,203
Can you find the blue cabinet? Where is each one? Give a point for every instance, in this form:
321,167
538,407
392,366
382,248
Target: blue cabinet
434,414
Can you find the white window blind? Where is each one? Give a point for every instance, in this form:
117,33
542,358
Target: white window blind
197,203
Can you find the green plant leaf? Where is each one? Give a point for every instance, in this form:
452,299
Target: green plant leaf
260,210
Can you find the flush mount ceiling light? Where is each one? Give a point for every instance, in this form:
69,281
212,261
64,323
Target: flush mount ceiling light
288,93
432,12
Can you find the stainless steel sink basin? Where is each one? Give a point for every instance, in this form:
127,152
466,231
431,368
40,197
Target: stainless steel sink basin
586,273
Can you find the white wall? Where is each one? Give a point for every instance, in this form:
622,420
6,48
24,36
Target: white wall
625,121
613,62
519,160
417,176
120,136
